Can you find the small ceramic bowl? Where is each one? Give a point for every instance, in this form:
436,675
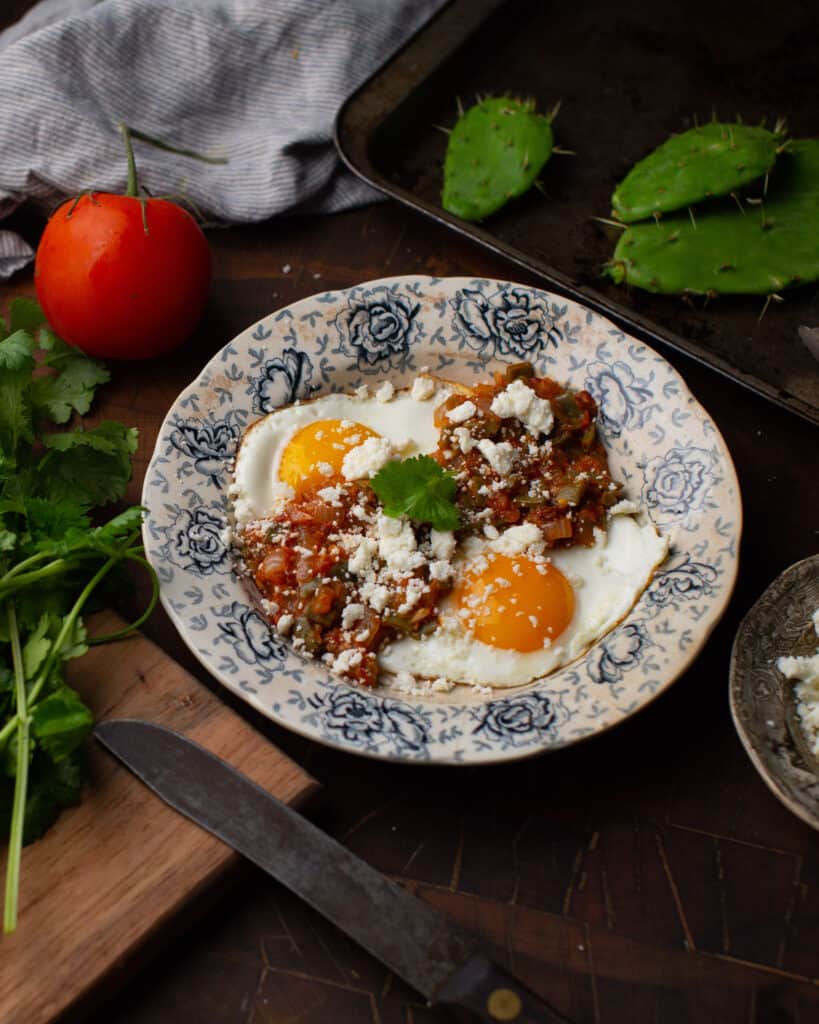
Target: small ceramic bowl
763,701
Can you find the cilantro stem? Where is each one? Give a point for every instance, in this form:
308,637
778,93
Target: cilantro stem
7,730
23,580
133,554
19,580
68,625
127,630
24,565
21,780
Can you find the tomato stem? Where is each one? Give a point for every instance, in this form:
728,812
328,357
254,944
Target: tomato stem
85,193
205,158
132,187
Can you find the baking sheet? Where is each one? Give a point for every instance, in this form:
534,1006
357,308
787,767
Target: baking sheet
626,80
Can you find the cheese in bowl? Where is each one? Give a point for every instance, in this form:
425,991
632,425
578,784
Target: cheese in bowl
439,534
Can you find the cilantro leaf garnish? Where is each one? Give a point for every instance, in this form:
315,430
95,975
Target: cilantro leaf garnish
419,489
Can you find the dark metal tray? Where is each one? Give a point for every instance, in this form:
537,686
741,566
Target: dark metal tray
625,86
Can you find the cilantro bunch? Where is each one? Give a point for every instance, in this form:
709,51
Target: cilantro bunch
52,559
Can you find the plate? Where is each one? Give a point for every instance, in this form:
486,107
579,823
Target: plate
662,446
762,701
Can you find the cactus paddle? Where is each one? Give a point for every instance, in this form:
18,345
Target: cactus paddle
760,249
711,160
495,152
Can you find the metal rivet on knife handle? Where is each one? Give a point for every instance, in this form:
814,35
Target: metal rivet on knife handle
491,994
504,1004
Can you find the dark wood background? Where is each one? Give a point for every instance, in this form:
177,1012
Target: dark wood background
647,874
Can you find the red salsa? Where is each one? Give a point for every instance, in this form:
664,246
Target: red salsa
561,484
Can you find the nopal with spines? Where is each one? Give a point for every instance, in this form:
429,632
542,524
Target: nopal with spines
496,150
709,160
764,246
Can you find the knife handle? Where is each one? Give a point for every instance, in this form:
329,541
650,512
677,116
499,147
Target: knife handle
489,994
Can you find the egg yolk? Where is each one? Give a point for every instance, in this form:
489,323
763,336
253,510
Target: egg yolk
515,603
314,454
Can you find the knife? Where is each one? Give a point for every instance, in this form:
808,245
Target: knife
445,965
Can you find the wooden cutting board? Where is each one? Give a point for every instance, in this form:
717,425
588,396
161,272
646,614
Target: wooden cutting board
114,870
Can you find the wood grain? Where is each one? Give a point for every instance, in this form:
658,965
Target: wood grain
114,870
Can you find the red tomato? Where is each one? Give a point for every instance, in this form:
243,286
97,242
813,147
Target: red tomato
113,289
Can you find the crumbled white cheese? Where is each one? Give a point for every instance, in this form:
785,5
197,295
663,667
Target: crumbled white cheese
397,546
361,513
422,389
325,469
465,441
625,508
362,392
269,607
518,401
804,668
284,625
415,588
441,570
490,532
805,672
500,456
384,392
332,495
407,683
361,551
365,460
375,594
442,544
346,660
352,613
461,413
519,539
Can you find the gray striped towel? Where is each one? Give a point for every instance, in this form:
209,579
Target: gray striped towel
257,82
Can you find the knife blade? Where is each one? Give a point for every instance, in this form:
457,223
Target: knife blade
442,963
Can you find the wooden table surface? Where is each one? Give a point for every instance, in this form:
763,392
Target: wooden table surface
646,875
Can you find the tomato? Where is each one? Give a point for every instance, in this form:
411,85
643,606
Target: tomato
115,289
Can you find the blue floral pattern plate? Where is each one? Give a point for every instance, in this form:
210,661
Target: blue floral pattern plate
661,443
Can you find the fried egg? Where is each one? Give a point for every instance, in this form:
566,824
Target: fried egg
303,446
516,614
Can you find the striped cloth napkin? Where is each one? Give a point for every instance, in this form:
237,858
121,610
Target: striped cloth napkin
256,82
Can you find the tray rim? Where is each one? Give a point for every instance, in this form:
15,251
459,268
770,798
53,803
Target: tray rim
361,116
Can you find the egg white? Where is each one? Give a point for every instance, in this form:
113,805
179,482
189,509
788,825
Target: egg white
607,580
403,420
